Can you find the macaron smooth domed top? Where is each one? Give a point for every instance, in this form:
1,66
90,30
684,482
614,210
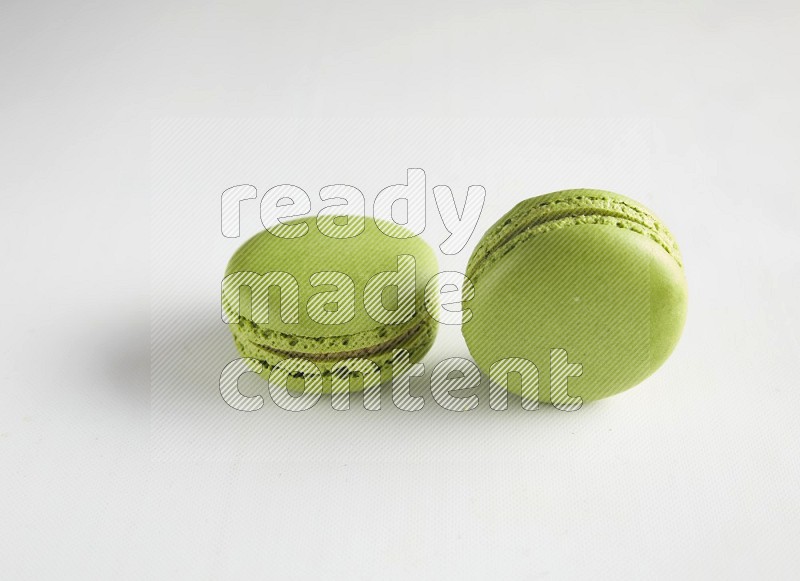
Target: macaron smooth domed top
310,259
590,272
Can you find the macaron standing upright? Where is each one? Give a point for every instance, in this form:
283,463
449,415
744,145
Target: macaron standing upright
587,274
330,297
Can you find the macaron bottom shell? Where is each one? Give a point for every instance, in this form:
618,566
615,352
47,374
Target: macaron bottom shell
377,346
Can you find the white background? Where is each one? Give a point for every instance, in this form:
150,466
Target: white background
692,474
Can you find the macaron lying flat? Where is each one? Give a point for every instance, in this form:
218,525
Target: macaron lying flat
319,312
589,272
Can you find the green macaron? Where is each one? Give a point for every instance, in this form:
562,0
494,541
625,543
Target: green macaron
585,279
333,292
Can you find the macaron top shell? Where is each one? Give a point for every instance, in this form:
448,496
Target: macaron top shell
587,271
565,208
